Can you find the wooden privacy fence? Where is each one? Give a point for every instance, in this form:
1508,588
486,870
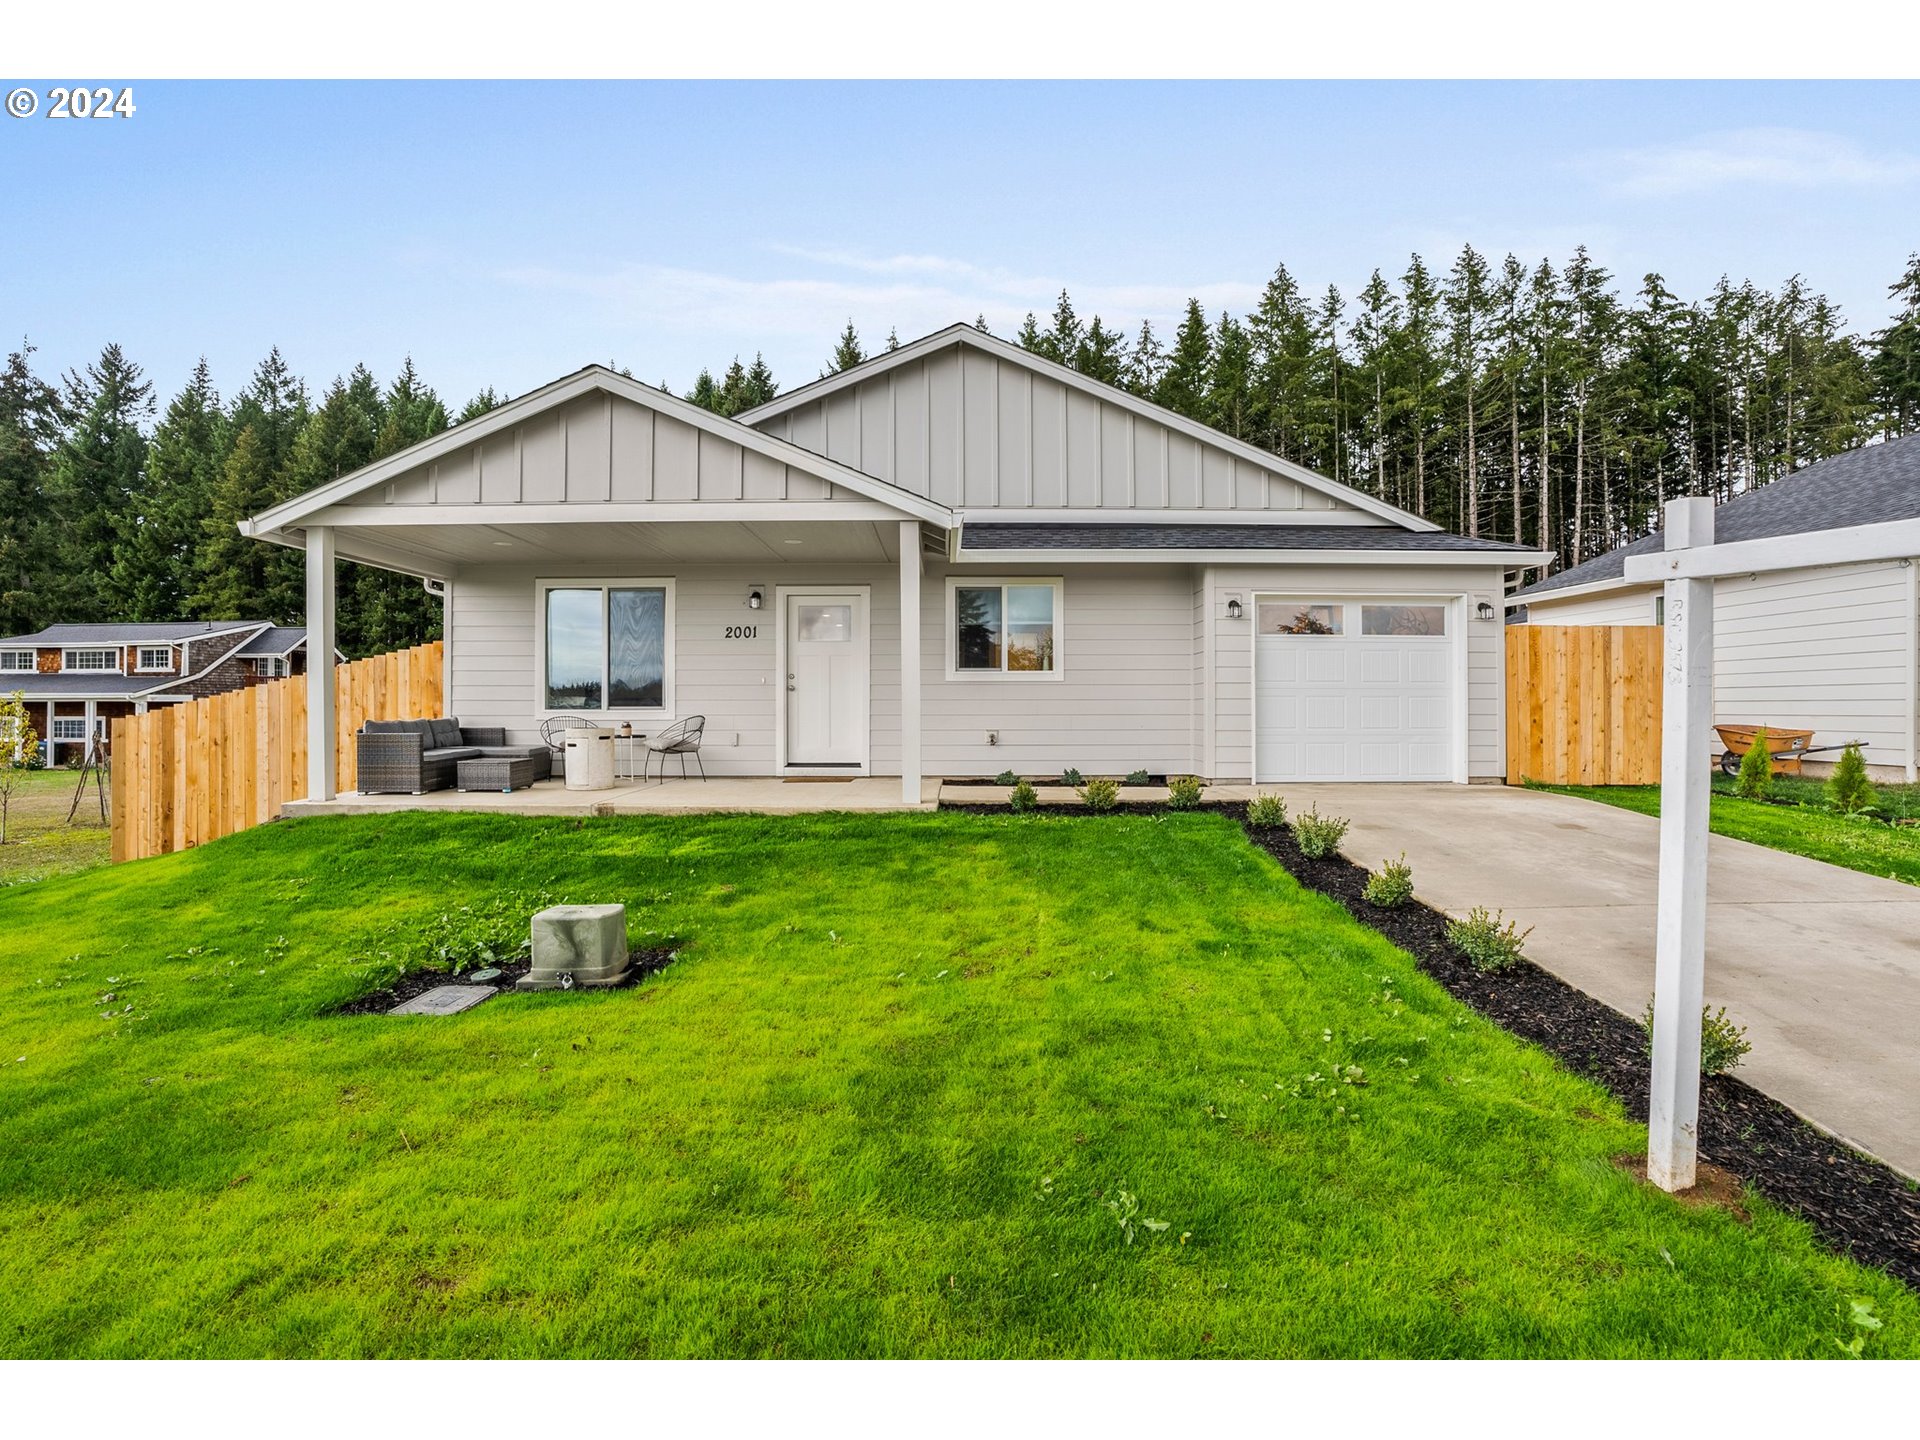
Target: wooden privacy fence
186,774
1583,704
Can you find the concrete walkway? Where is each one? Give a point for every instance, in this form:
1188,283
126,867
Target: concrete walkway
1821,964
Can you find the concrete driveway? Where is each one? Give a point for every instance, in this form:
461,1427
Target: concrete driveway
1822,965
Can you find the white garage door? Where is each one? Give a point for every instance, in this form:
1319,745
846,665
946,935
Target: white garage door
1352,690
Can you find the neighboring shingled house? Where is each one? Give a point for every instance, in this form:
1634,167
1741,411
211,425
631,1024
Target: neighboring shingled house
76,678
1832,648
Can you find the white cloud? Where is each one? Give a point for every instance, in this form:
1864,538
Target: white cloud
1761,156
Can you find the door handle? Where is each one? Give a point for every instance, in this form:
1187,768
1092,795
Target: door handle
792,686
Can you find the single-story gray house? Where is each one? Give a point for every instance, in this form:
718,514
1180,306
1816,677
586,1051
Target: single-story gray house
1830,648
955,559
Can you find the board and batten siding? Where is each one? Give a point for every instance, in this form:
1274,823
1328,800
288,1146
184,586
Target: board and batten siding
1232,649
598,448
970,430
1824,649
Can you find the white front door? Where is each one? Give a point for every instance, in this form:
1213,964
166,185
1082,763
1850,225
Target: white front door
1352,690
826,698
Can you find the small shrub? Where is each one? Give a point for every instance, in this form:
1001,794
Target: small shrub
1723,1044
1070,776
1318,835
1848,789
1006,777
1756,770
1100,795
1489,945
1391,886
1184,791
497,930
1267,812
1138,777
1022,798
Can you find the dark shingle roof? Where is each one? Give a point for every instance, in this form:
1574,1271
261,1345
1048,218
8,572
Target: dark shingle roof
1110,536
77,685
275,640
1861,487
134,634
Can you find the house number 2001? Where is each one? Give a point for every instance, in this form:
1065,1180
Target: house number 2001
742,632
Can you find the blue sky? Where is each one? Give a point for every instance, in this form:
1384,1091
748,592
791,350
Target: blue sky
503,234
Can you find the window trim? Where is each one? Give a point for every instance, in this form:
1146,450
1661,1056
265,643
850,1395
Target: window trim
662,714
957,583
29,668
140,665
53,731
271,667
116,657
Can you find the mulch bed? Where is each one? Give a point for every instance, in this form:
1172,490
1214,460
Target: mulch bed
1855,1204
641,963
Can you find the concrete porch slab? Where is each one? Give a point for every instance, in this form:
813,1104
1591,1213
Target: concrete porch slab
760,795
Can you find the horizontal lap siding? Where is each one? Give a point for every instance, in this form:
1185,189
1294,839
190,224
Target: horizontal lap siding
1233,650
1822,650
1124,699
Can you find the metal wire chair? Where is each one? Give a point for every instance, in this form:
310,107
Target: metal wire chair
681,738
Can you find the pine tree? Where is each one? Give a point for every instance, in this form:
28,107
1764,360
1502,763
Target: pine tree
487,400
1061,342
1896,356
153,569
1100,355
980,324
235,578
731,399
1187,379
893,339
761,386
1029,336
1848,789
1229,398
32,416
1282,335
378,610
1420,369
846,352
98,469
1146,362
705,393
1468,301
1373,335
1326,411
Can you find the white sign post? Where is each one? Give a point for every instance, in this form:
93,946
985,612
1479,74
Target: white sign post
1686,781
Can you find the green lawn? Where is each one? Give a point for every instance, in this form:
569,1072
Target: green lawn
40,843
884,1104
1801,829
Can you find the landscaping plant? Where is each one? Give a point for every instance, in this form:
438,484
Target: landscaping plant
1070,776
1006,777
16,751
1723,1044
1489,945
1100,795
1391,886
1317,835
1848,789
1138,777
1267,811
1184,791
1756,770
1022,798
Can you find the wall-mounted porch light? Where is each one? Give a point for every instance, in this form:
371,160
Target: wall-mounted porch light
754,598
1234,610
1484,610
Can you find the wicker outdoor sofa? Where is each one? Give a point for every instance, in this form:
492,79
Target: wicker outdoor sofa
411,757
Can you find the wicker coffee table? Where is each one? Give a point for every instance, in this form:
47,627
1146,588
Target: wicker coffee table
494,772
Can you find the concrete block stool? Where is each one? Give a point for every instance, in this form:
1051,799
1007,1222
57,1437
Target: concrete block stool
583,945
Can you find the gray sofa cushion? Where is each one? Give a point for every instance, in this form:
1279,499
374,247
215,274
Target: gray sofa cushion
422,728
452,752
446,733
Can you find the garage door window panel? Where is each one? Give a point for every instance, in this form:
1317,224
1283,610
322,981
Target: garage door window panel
1301,617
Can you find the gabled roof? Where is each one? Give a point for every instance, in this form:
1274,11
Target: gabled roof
275,640
141,633
967,335
1861,487
593,378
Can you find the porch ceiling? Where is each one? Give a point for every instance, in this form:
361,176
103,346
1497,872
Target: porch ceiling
441,549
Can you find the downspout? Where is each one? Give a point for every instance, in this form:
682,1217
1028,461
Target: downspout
1913,671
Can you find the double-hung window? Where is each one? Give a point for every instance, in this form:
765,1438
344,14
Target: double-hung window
1003,627
16,660
155,657
606,645
91,660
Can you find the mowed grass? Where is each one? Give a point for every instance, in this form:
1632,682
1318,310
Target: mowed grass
40,843
883,1105
1891,851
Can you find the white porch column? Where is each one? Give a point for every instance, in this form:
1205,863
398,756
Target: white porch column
1680,945
910,661
320,634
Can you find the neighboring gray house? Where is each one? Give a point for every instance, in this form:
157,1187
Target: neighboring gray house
1831,648
955,559
75,679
